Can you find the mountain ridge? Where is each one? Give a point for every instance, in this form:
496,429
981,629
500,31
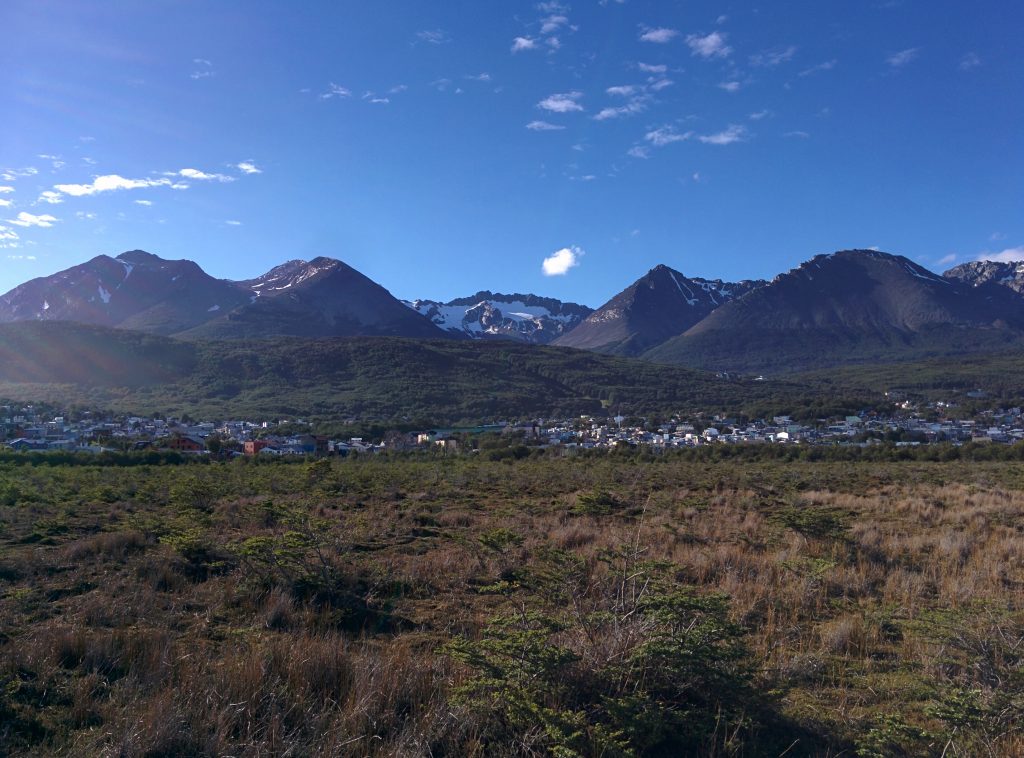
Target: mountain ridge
653,309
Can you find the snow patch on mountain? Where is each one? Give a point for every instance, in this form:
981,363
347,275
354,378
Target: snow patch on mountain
487,315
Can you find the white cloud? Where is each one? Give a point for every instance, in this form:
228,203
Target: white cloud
7,234
709,46
969,61
232,222
51,197
484,77
732,134
4,203
759,115
523,43
798,133
826,66
193,173
398,88
553,23
730,86
203,70
335,90
652,68
543,126
624,90
4,190
559,262
1010,255
639,151
903,57
109,183
634,106
10,174
434,36
146,203
27,219
85,216
946,260
565,102
773,57
659,36
666,135
657,85
248,167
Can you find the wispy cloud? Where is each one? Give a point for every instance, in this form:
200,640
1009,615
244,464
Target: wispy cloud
730,86
798,134
51,197
947,260
4,190
652,68
248,167
666,135
553,23
903,57
659,36
519,44
639,151
623,90
434,36
1009,255
335,90
560,261
232,222
11,174
734,133
969,61
758,115
109,183
28,219
202,69
5,203
826,66
565,102
633,107
146,203
543,126
773,56
709,46
194,173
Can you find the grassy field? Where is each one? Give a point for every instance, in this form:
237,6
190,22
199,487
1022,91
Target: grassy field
456,606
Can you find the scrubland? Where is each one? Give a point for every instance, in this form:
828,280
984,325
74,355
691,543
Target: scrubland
614,605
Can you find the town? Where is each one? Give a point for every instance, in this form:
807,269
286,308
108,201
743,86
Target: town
36,428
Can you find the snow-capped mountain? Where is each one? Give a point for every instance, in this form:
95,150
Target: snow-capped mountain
654,308
1008,274
135,290
486,315
848,306
141,291
319,298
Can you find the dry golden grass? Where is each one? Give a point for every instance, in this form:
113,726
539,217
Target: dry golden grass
864,592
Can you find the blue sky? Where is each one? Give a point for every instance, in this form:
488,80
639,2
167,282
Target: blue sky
443,148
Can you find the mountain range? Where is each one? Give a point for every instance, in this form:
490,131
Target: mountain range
853,306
